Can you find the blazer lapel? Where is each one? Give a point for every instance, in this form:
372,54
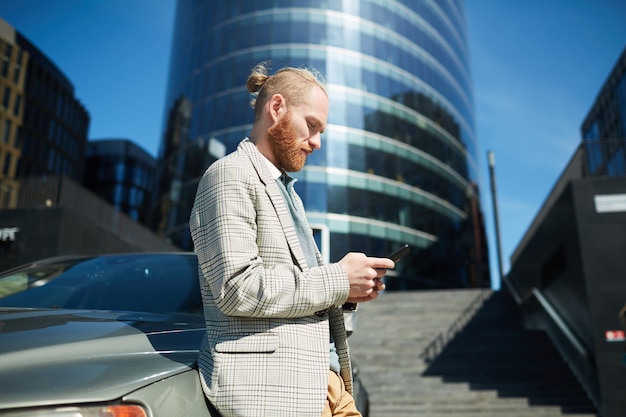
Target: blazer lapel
276,197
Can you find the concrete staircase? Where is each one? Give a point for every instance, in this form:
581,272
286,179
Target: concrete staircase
459,353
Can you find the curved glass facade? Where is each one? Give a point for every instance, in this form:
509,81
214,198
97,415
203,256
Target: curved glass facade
399,157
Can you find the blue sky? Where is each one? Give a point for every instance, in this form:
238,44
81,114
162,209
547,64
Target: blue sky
537,67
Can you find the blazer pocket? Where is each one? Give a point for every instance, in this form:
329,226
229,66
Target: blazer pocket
248,343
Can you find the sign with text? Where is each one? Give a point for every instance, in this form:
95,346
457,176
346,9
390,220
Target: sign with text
8,234
610,203
615,336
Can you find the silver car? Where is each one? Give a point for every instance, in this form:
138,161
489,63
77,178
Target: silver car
104,336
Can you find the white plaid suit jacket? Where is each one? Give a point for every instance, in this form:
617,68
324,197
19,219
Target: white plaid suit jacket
265,352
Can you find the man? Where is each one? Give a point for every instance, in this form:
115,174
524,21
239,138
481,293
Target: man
275,343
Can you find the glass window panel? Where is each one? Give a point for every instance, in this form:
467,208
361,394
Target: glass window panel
315,197
355,117
17,105
119,171
6,99
7,164
338,108
316,32
6,134
298,27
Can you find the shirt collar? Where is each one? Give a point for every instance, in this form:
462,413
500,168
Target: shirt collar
277,173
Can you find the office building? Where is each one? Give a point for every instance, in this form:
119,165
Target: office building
567,273
44,209
604,128
12,82
56,216
399,159
43,127
122,173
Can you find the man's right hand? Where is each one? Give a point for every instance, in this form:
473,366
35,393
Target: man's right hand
364,275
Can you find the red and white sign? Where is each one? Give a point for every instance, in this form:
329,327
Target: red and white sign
615,336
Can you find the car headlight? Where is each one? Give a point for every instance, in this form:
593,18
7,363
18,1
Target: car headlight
98,411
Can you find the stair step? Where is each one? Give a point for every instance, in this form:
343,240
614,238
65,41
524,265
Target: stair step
490,366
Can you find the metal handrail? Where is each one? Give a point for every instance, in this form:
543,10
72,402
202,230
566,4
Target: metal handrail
579,365
434,348
564,328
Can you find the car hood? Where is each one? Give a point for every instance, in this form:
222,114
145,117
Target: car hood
70,356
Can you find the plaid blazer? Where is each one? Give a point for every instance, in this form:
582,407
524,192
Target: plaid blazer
265,352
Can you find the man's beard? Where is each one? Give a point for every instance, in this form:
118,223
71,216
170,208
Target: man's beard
283,139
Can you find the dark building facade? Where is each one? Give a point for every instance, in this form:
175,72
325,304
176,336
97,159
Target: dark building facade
56,215
399,159
568,275
43,127
568,270
122,173
605,125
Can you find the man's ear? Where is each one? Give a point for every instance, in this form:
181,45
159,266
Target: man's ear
277,106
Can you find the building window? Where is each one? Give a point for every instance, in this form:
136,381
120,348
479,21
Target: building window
6,168
51,159
6,98
6,59
17,104
18,67
119,172
6,134
18,137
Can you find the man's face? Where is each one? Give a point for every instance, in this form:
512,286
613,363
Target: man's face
297,133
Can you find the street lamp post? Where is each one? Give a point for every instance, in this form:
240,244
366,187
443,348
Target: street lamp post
492,167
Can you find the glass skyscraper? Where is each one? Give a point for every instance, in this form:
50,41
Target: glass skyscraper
399,157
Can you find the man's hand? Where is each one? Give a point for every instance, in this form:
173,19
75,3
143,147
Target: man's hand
364,275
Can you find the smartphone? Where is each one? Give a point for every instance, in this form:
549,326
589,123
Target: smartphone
398,254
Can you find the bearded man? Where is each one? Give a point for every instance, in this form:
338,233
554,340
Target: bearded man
276,344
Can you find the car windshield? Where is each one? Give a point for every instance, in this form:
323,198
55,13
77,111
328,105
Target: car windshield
155,283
